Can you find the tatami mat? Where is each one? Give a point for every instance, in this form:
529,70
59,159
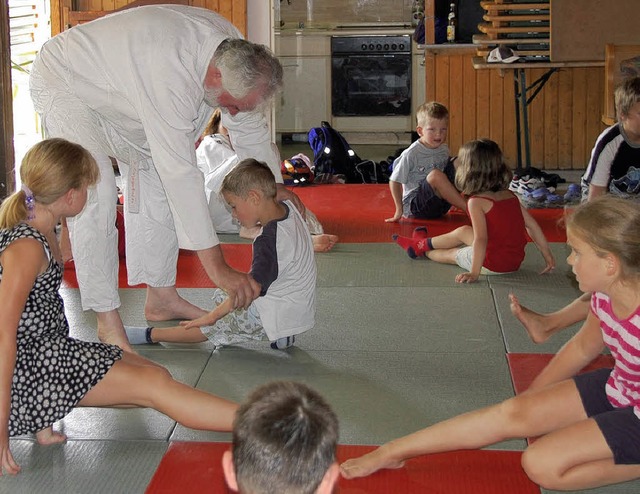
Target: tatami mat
398,345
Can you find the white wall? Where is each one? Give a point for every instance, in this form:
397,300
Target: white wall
259,21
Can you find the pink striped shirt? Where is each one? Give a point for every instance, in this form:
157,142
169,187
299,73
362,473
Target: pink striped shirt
622,337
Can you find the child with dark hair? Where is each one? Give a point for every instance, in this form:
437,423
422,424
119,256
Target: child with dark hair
284,440
495,241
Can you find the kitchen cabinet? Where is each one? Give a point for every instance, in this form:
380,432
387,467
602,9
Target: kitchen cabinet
304,100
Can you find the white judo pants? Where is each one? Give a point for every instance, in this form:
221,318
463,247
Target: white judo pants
151,241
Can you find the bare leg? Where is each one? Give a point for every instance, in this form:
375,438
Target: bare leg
164,304
48,436
446,190
324,242
111,329
177,334
135,381
541,326
526,415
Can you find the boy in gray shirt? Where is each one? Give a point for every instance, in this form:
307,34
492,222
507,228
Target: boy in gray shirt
421,183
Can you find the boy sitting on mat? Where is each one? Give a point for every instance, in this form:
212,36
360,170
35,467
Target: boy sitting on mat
421,183
284,440
283,264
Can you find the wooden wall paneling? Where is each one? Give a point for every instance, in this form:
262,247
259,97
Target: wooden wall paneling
537,119
483,113
565,118
496,106
579,94
550,109
509,143
595,105
7,153
469,97
456,109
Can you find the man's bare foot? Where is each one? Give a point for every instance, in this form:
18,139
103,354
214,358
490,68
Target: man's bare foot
368,464
164,304
536,324
111,330
324,242
49,436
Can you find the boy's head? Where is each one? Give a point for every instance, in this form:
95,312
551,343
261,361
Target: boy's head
627,101
284,440
433,123
248,188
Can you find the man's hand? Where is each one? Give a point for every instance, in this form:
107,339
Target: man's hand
241,287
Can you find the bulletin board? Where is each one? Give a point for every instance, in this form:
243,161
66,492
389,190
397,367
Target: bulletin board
580,29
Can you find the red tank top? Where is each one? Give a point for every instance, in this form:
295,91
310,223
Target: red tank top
506,236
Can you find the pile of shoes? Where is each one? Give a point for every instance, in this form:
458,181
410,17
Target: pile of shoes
539,189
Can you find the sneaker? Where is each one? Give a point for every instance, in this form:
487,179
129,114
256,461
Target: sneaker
554,199
574,193
515,184
532,182
283,343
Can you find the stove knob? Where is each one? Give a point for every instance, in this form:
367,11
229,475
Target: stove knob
386,46
371,47
363,47
401,46
378,47
394,46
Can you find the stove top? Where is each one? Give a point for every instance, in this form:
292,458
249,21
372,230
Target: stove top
381,43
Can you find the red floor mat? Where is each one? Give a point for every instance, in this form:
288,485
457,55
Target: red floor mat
354,212
526,366
196,467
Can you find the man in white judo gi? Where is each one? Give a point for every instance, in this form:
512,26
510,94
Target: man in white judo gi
140,85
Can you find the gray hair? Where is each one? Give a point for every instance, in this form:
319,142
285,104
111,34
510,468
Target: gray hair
247,66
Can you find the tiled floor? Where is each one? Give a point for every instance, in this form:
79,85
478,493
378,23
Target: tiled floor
397,346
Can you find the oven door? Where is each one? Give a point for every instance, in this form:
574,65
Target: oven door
371,85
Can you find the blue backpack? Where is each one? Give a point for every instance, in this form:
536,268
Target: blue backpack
332,155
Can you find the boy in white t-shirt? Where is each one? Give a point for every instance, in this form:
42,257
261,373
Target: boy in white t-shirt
283,264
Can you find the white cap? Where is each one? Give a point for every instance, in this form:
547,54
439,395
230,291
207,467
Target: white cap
502,54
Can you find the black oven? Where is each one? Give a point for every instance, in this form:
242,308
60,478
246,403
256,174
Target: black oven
370,76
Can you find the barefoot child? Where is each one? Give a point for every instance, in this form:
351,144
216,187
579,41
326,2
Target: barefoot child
496,239
283,265
588,424
44,373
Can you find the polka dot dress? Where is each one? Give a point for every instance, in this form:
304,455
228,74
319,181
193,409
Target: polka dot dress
53,371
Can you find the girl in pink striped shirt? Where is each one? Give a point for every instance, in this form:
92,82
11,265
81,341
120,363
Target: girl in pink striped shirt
589,425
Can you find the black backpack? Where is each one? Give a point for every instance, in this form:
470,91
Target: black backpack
332,155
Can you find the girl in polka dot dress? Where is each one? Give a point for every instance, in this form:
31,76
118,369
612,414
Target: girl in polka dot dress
44,373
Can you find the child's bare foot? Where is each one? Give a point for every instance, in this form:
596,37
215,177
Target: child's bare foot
164,304
368,464
535,323
324,242
48,436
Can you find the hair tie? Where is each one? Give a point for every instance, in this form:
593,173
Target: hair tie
29,202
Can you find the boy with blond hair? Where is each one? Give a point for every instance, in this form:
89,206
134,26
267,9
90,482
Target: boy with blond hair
421,183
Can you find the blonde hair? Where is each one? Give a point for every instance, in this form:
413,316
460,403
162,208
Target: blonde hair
250,174
481,168
610,224
49,169
431,110
626,94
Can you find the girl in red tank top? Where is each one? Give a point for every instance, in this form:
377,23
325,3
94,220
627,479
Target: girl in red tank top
495,242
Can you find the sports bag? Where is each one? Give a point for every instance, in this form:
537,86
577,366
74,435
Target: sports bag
332,155
297,170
